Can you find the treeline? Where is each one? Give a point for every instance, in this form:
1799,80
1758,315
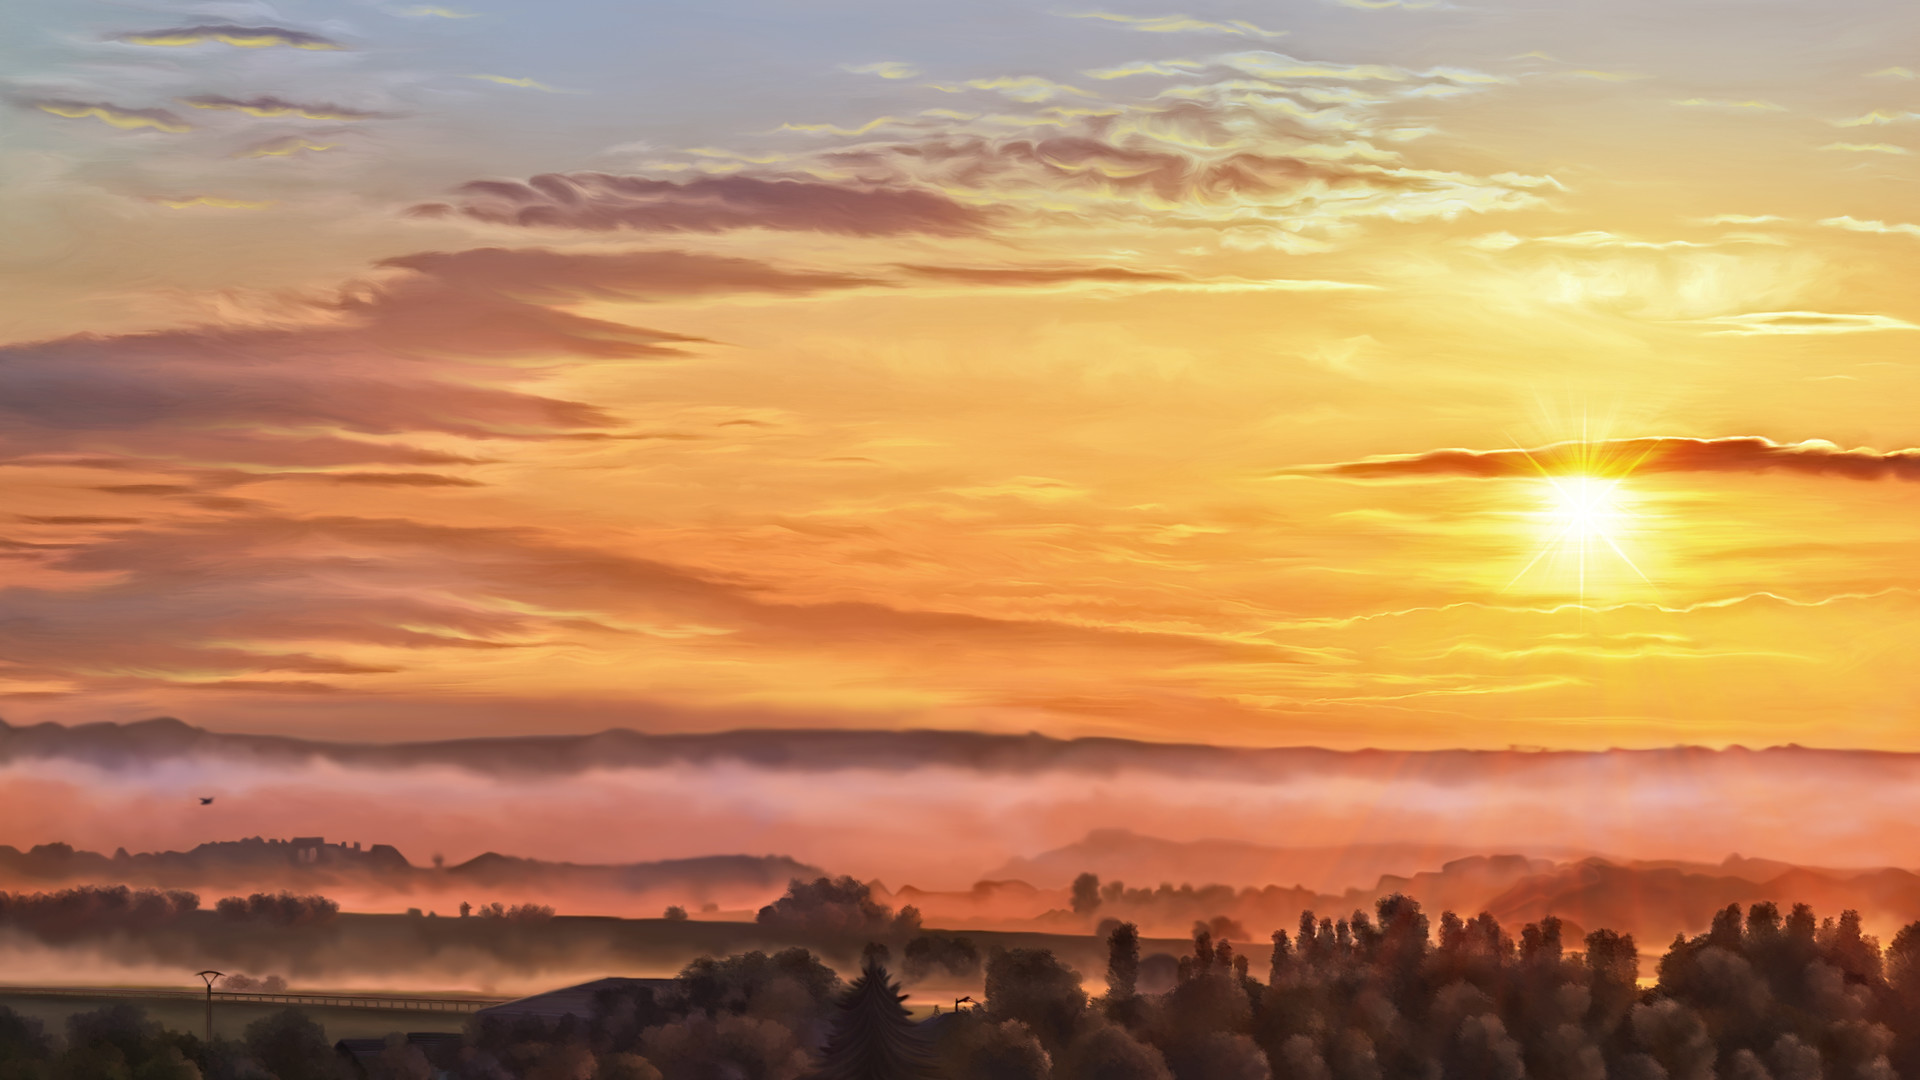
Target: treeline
1386,995
836,908
95,908
91,907
279,909
121,1042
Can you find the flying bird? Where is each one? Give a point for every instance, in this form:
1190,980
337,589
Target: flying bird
206,800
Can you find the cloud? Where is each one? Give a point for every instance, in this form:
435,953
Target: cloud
217,202
1146,67
1866,148
599,201
1108,278
1804,322
1041,275
238,597
1893,73
886,69
1659,454
434,346
1402,5
1254,142
1178,24
1265,64
1853,224
1879,117
1601,239
115,116
399,479
429,12
536,275
245,37
524,84
289,146
1606,76
1730,103
268,105
1030,89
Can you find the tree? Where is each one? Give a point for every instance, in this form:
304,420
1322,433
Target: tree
626,1067
1106,1052
676,913
957,956
1035,988
873,1038
1086,894
1123,962
291,1047
985,1050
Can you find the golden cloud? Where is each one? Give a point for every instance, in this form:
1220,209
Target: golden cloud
1179,24
243,37
268,105
114,116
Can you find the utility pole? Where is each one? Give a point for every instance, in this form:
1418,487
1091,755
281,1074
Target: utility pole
210,977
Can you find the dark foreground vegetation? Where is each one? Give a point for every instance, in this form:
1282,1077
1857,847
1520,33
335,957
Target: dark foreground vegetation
1760,996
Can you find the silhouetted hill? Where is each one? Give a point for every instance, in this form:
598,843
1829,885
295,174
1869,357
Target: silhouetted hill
812,750
1120,854
1654,902
309,864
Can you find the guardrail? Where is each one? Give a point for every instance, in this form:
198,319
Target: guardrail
395,1002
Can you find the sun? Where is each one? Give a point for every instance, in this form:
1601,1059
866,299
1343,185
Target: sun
1583,509
1583,521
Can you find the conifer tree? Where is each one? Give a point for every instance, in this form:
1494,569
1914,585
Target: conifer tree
873,1038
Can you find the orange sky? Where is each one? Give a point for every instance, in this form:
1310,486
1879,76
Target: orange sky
405,375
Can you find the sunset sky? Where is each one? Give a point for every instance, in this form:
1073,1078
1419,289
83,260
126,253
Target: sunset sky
1393,373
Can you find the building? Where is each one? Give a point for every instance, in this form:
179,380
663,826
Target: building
575,1001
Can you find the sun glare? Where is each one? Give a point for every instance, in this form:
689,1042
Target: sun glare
1583,508
1583,520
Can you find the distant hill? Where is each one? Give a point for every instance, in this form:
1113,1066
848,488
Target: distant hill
1120,854
1655,902
382,877
801,750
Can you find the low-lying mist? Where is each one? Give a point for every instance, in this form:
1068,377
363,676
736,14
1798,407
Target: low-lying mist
917,814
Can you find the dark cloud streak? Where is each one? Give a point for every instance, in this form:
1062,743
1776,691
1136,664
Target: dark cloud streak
601,202
1661,454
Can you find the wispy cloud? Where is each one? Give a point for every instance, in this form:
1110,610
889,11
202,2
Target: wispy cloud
286,147
1867,148
115,116
1879,117
1030,89
1658,454
524,84
1804,322
213,201
599,201
244,37
886,69
1109,278
1893,73
1178,24
1853,224
1730,103
431,12
1224,153
268,105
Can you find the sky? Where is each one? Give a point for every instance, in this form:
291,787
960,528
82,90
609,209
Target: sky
1354,373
